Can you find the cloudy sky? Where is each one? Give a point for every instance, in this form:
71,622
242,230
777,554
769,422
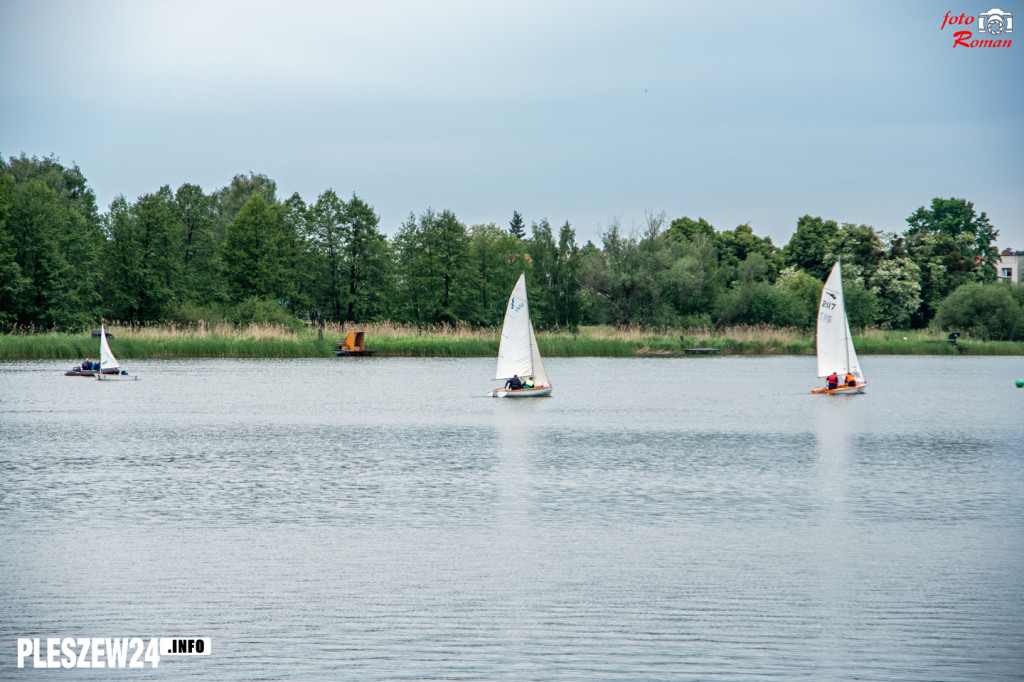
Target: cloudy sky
588,112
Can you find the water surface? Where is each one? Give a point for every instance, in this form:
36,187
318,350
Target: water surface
378,518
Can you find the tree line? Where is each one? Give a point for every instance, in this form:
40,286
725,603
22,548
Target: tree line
242,254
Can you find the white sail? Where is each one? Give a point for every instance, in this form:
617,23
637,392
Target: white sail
517,352
835,344
107,359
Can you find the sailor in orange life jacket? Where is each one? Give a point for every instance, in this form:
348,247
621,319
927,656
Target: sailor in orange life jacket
833,380
850,379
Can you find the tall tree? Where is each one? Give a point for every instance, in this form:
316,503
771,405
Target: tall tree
632,281
516,226
496,258
735,246
860,246
143,258
555,300
566,290
955,217
688,229
952,246
811,248
200,267
255,253
433,272
53,227
228,201
298,272
126,281
366,259
157,216
542,274
12,284
896,283
325,228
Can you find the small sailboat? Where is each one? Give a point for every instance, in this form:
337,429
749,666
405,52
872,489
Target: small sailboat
518,355
836,354
109,368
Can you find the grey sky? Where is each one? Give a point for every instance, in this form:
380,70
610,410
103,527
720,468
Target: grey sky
581,111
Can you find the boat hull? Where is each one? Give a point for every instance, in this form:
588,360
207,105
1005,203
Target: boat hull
117,377
842,390
537,392
86,373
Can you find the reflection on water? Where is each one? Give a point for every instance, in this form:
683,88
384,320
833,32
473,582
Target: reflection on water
658,519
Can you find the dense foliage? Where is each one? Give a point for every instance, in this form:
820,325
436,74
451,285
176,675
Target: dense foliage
241,254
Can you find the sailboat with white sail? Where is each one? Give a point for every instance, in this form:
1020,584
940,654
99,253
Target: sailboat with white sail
110,370
519,361
836,354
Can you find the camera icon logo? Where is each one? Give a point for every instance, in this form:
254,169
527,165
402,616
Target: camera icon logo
995,22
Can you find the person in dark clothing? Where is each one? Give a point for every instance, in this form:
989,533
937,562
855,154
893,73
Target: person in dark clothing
833,381
514,384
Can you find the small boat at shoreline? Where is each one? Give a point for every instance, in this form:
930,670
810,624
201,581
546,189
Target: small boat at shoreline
836,354
518,356
354,346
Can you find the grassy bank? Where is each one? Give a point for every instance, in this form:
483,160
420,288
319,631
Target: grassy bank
269,341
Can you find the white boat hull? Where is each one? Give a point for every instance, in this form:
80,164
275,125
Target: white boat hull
521,392
117,377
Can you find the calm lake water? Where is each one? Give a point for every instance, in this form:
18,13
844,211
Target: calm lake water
378,518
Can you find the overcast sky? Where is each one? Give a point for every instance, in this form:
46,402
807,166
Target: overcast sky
587,112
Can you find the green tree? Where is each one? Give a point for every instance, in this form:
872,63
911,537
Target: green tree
631,283
367,261
496,258
752,299
228,201
325,231
759,302
566,289
688,229
298,268
255,252
805,287
202,279
861,305
135,285
952,246
811,248
433,272
554,290
517,228
954,217
12,284
735,246
860,247
162,239
52,229
896,284
988,311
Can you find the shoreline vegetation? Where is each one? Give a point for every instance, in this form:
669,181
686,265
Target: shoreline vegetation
396,340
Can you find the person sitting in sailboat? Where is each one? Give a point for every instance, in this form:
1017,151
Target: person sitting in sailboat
528,383
833,381
850,379
514,384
